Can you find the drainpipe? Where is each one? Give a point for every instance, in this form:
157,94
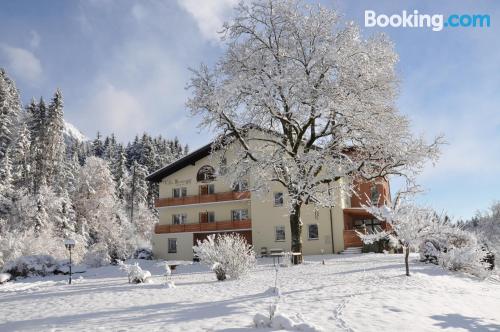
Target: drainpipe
331,217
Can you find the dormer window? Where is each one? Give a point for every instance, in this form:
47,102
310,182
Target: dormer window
206,174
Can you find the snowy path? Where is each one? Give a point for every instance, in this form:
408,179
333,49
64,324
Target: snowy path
348,293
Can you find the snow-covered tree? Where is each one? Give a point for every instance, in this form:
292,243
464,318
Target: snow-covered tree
37,114
137,191
99,217
54,147
226,254
407,224
98,146
120,172
487,227
21,157
10,109
303,100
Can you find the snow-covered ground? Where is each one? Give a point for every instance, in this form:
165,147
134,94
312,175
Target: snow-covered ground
349,293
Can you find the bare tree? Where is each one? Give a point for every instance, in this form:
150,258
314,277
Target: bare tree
301,99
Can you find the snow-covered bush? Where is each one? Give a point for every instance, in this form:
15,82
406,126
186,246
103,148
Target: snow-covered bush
4,277
97,256
454,248
429,252
26,266
469,259
486,225
136,275
143,253
227,254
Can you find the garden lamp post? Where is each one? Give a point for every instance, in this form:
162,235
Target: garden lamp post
69,244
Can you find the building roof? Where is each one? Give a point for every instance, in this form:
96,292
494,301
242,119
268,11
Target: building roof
189,159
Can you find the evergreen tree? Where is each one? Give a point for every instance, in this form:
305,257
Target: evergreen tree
137,188
54,147
120,173
21,157
38,130
10,110
97,146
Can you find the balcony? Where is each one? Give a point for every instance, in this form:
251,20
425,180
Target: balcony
199,199
204,227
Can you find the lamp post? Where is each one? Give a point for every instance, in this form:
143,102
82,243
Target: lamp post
69,244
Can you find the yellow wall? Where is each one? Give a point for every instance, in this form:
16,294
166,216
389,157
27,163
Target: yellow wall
265,217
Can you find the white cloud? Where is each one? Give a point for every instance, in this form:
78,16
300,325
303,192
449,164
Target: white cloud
22,63
117,109
209,14
35,39
138,12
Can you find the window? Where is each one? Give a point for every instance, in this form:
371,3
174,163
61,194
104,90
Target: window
279,233
240,186
179,192
205,174
316,214
239,214
211,216
374,194
172,246
371,225
278,199
313,231
178,219
206,217
207,189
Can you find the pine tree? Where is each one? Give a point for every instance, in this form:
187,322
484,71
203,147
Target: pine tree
54,147
21,157
37,127
97,146
120,173
6,173
137,188
10,110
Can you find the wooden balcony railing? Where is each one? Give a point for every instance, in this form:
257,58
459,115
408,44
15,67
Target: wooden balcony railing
196,199
204,227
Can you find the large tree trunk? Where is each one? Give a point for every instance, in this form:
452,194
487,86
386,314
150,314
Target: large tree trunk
407,254
296,228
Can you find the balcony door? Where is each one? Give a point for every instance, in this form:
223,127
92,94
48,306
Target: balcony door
207,217
207,189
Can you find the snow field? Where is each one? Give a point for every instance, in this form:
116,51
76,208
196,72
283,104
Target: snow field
349,293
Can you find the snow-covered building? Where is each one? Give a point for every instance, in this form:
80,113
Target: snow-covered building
194,202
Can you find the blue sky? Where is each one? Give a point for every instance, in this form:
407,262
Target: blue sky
123,67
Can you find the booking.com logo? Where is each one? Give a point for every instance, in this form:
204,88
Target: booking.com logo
415,20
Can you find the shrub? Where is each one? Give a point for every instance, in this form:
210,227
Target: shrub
136,275
35,265
97,256
227,254
143,253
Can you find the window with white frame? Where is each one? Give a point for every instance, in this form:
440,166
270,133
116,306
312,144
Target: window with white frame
179,218
312,231
172,246
279,234
278,199
179,192
241,214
